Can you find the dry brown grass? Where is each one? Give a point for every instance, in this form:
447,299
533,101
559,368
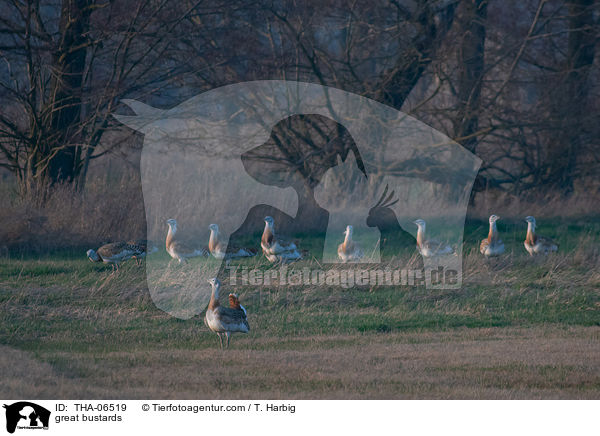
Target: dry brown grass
509,363
549,204
577,268
110,208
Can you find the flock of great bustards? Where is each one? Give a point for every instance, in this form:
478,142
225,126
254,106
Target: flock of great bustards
227,320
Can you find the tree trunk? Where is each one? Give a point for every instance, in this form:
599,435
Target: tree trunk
432,27
471,23
570,102
69,63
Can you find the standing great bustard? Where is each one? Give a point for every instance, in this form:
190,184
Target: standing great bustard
535,244
178,249
430,247
349,250
492,245
276,249
218,249
224,320
144,247
113,253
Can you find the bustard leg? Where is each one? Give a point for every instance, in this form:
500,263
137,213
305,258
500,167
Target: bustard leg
220,340
228,336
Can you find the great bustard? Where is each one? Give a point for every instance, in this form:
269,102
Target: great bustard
492,245
221,251
143,247
276,249
535,244
349,251
430,247
113,253
224,320
178,249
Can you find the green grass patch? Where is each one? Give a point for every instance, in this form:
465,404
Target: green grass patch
62,302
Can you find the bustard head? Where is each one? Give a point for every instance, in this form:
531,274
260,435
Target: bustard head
530,222
420,223
348,230
214,282
213,228
93,256
269,220
494,218
172,224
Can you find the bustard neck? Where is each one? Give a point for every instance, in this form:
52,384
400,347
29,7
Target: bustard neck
420,234
214,297
492,235
348,237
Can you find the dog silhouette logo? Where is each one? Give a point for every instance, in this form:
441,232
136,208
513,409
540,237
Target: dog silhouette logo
26,415
319,161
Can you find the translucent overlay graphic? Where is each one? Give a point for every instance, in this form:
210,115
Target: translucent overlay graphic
192,171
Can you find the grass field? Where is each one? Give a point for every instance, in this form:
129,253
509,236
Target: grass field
520,327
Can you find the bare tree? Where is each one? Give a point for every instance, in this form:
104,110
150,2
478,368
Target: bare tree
517,90
64,67
567,148
510,80
380,49
472,24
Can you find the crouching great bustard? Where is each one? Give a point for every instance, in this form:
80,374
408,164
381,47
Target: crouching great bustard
430,247
349,250
492,245
218,249
114,253
225,320
178,249
535,244
276,249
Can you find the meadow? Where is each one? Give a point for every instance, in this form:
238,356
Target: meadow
519,327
